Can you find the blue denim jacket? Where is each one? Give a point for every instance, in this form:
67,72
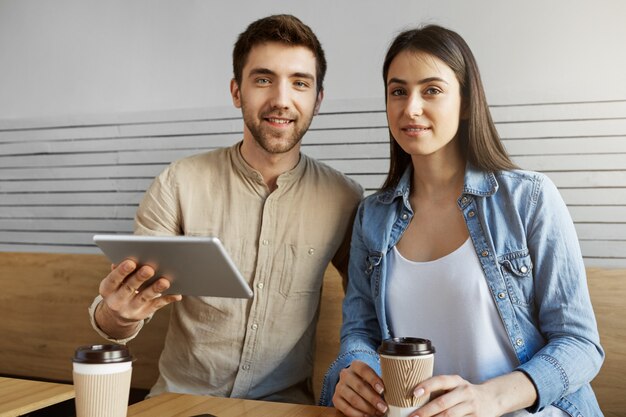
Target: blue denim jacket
527,245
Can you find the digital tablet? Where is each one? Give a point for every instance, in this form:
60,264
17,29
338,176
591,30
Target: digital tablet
194,265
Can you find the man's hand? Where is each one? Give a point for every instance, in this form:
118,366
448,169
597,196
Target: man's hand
123,306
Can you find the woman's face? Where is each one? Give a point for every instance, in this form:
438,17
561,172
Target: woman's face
423,104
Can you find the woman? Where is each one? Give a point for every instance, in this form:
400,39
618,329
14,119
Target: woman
463,248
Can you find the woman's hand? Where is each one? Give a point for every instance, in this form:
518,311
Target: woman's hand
458,397
358,391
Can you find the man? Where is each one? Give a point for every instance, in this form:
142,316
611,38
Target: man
281,215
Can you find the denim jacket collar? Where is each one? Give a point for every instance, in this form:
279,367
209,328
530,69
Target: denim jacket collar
476,182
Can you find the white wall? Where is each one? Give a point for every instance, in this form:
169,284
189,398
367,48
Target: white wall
75,57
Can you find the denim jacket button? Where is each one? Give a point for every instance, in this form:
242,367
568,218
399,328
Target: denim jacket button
404,216
524,269
501,295
471,213
464,200
519,342
484,253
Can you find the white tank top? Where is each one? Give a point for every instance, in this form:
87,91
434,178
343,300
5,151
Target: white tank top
447,301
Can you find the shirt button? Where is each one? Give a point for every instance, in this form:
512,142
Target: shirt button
265,242
484,253
471,213
404,216
524,269
311,251
519,342
245,367
254,326
501,295
260,285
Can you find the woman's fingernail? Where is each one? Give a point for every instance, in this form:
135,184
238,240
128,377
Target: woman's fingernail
418,392
379,388
382,407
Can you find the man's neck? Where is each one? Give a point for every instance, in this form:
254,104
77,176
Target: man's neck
269,165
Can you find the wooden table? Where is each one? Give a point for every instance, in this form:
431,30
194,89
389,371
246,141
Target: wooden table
184,405
22,396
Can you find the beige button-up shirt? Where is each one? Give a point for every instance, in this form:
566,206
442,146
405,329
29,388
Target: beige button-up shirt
282,242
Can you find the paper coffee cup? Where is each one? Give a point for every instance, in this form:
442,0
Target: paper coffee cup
405,362
102,380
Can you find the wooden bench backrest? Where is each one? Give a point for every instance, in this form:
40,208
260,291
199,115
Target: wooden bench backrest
44,300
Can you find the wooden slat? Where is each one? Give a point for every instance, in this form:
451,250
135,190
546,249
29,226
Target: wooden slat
69,212
559,111
580,162
598,214
76,185
564,146
66,225
565,128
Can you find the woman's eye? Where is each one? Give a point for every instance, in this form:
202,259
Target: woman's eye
432,91
398,92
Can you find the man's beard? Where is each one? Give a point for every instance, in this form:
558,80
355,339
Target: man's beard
272,141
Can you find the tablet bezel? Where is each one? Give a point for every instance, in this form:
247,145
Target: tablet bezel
182,260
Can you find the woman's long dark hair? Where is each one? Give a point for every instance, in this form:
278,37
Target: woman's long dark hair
479,140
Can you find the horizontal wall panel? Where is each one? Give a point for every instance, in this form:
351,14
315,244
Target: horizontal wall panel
603,248
47,238
567,128
582,162
597,196
75,185
118,171
64,199
48,213
354,136
601,231
207,141
37,247
588,179
560,111
612,263
67,225
598,214
63,180
359,166
563,146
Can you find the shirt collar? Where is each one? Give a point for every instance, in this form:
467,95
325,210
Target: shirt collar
285,178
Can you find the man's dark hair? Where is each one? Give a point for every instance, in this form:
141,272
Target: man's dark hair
283,28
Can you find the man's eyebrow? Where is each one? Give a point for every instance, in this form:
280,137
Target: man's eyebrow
305,75
267,71
261,71
422,81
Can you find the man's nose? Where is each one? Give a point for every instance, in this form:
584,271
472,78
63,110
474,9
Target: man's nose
280,95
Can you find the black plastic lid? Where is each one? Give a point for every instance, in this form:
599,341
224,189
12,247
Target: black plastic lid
102,354
406,346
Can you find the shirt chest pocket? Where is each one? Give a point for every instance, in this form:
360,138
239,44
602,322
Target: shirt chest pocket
517,270
301,270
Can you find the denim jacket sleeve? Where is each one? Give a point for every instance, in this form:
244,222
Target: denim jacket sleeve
360,332
572,355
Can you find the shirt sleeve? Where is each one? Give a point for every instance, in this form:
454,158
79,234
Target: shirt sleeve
92,319
572,355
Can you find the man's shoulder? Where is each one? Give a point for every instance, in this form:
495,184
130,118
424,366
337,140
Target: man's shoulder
331,178
212,159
